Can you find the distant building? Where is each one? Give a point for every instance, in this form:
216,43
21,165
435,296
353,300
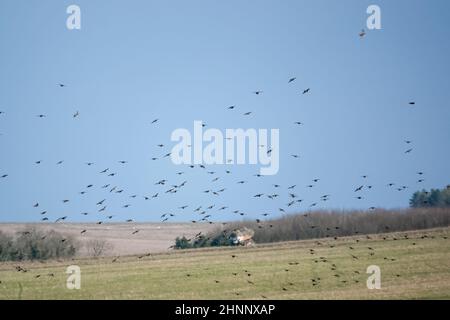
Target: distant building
243,237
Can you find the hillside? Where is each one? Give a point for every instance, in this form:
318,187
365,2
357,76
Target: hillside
414,265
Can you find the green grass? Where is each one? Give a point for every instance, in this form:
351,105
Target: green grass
420,271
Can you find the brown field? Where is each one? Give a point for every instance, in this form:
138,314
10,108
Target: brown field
152,237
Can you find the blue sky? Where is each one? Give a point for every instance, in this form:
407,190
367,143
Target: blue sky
179,61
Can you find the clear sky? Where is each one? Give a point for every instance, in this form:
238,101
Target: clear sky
180,61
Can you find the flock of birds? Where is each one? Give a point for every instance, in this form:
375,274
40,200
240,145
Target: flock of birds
206,212
333,267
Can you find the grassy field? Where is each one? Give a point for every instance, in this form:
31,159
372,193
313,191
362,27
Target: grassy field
414,265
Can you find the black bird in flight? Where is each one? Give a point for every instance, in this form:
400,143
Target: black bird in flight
155,121
306,91
362,33
292,79
257,92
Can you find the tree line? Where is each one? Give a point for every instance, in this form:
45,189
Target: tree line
432,198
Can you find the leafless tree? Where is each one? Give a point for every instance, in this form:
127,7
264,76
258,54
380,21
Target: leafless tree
98,247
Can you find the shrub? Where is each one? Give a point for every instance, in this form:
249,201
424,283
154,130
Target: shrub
36,245
182,243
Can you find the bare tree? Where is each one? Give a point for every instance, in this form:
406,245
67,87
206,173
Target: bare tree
98,247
